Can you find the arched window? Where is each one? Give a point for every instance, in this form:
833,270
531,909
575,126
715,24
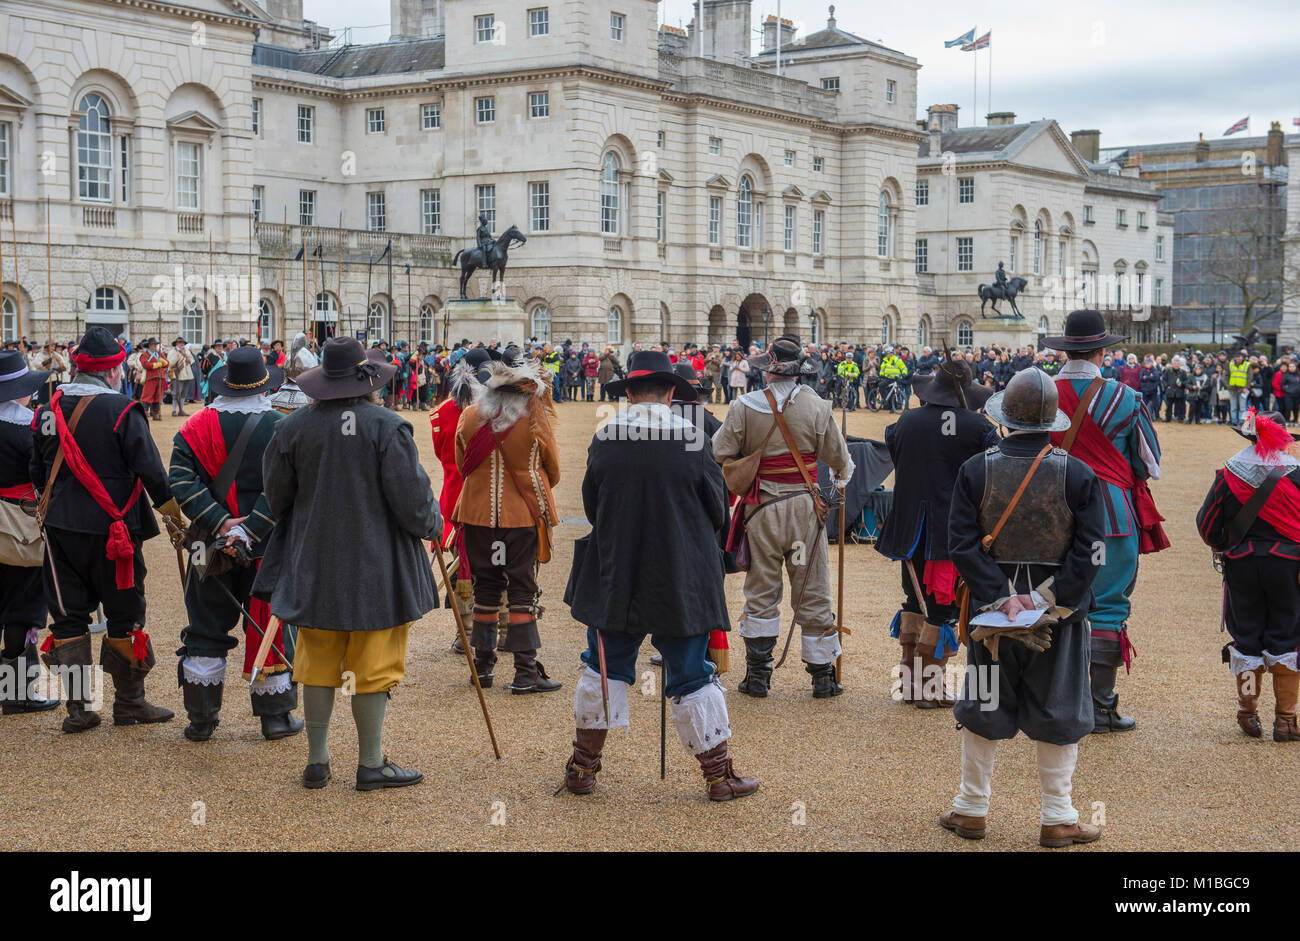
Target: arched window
1038,247
609,208
923,331
614,326
428,322
192,320
745,213
265,318
965,333
883,240
815,328
1042,328
886,329
9,318
541,323
94,150
376,321
327,307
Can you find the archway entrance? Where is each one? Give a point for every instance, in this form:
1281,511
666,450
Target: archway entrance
754,321
744,332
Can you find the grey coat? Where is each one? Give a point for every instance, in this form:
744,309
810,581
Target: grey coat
353,505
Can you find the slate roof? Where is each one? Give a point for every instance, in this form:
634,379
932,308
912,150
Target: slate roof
977,140
359,61
830,38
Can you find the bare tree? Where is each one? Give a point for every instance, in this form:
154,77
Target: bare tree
1247,254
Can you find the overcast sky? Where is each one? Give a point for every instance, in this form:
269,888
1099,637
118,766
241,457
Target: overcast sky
1148,72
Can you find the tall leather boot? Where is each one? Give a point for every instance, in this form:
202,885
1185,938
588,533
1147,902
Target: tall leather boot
931,677
202,705
580,772
909,666
1105,702
720,778
758,666
484,661
27,672
1286,689
276,712
1248,684
130,707
74,654
823,680
530,675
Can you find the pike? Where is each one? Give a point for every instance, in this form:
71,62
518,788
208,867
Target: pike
464,642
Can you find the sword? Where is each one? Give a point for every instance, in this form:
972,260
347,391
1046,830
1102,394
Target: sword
264,648
604,674
464,642
663,716
279,651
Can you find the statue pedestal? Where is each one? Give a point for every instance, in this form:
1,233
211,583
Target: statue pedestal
486,321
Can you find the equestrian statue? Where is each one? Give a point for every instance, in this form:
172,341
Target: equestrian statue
492,254
1003,289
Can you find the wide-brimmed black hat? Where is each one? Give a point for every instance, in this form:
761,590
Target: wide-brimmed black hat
781,358
651,364
941,387
346,371
1084,330
16,378
1247,428
686,371
245,372
180,340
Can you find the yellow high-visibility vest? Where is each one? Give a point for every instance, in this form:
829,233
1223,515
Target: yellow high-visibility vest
1238,374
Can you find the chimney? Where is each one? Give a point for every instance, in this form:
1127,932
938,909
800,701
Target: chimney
1088,144
1202,149
941,117
727,29
285,11
416,19
1000,118
1275,144
769,33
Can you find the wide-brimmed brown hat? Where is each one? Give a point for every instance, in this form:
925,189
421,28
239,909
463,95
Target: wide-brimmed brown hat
346,371
782,358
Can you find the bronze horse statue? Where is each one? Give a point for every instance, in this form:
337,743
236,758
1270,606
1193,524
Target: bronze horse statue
471,259
996,292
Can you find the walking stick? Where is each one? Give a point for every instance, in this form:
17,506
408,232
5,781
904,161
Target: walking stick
839,592
604,673
464,642
663,716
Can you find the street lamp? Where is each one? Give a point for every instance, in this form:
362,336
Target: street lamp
767,326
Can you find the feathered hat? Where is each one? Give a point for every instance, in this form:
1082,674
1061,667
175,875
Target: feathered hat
514,370
1267,431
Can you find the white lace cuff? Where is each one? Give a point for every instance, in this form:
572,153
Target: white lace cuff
204,671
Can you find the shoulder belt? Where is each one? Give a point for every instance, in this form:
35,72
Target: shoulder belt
1081,412
58,457
235,456
1250,510
789,442
987,541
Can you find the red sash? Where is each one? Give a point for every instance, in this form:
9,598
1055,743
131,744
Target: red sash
120,548
19,492
940,577
1099,452
477,449
202,432
1282,508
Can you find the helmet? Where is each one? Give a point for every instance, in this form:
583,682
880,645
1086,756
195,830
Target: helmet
1028,403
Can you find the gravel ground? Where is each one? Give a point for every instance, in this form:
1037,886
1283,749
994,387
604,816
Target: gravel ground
858,772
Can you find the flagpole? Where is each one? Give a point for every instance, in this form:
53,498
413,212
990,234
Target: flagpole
974,83
338,317
284,257
18,289
990,88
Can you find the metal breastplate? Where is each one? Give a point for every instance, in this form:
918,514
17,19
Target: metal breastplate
1041,527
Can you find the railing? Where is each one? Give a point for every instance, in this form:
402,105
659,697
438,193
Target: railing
189,223
98,217
613,245
6,209
693,75
277,237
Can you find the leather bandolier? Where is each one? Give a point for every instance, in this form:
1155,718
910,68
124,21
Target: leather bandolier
1041,528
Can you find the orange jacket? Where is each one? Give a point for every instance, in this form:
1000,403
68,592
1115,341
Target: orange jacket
488,497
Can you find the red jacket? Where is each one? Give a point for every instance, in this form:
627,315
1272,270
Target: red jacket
444,419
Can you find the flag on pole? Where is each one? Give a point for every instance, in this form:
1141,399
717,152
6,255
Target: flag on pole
1239,126
1296,121
982,43
963,39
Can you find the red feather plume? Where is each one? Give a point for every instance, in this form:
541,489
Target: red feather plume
1270,437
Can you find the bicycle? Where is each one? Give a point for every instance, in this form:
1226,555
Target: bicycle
893,398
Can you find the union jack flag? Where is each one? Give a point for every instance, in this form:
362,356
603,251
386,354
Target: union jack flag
982,43
1239,126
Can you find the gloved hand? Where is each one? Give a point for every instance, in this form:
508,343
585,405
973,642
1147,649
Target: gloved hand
174,522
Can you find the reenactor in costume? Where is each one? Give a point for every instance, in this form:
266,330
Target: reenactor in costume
225,503
23,611
928,446
1251,519
782,518
444,421
289,398
1111,431
353,509
508,460
180,373
691,405
154,365
652,565
95,457
1025,523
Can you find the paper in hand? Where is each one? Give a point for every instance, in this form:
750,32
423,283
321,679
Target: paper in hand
995,618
